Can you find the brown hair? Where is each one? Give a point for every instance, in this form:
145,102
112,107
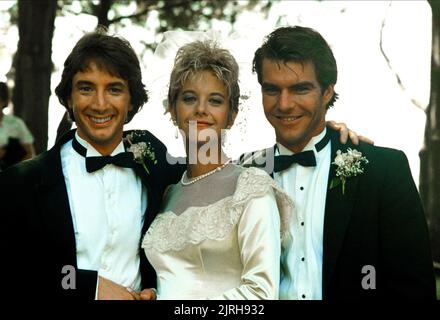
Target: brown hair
111,53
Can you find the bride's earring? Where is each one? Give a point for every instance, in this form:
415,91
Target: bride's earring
224,136
176,134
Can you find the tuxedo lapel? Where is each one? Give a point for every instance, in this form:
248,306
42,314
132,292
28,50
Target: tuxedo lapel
148,214
154,179
338,210
271,164
146,179
53,201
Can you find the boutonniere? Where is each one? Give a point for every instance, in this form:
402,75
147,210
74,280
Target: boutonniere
141,150
349,164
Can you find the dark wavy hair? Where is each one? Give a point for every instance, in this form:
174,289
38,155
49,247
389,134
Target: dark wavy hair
299,44
4,95
111,53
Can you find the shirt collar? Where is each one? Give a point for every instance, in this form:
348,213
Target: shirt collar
92,152
282,150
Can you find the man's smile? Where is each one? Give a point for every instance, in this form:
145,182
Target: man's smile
288,119
100,120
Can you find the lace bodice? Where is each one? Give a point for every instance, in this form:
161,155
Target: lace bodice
227,249
170,231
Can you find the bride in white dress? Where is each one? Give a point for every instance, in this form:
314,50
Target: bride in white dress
222,227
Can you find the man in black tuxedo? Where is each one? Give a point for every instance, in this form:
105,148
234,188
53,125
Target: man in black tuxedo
74,215
360,234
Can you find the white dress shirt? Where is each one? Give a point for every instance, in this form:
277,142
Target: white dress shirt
107,208
307,186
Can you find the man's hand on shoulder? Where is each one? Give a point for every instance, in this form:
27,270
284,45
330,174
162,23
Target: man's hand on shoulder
346,133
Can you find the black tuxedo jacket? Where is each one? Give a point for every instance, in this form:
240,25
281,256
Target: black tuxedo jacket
378,222
37,234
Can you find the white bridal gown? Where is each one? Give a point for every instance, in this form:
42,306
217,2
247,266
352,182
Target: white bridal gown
220,237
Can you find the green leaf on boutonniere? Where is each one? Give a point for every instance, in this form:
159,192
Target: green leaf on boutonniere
334,183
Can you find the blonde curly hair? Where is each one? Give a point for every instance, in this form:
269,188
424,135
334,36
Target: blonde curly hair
198,56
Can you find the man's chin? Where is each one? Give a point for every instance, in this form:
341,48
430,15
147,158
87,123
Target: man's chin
101,139
292,142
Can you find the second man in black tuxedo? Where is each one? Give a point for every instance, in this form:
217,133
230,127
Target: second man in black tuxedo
358,235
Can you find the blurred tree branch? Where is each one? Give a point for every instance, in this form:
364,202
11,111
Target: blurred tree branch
390,66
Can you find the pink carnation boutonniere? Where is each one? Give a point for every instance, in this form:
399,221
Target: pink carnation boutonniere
349,164
141,150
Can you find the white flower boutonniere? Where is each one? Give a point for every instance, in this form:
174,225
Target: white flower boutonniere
141,150
349,164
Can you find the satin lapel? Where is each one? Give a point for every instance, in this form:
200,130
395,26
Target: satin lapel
270,152
54,203
145,178
338,210
148,181
148,214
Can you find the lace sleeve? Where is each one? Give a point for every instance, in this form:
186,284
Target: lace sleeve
259,243
264,221
253,183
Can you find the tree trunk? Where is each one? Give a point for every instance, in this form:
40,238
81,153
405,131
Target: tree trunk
430,154
33,66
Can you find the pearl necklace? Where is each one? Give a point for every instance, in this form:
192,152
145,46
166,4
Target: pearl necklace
193,180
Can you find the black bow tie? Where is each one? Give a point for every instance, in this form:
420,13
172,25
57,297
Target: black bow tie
123,159
304,158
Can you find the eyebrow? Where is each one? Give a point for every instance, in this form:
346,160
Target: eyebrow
111,84
218,94
307,84
211,94
188,91
268,85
